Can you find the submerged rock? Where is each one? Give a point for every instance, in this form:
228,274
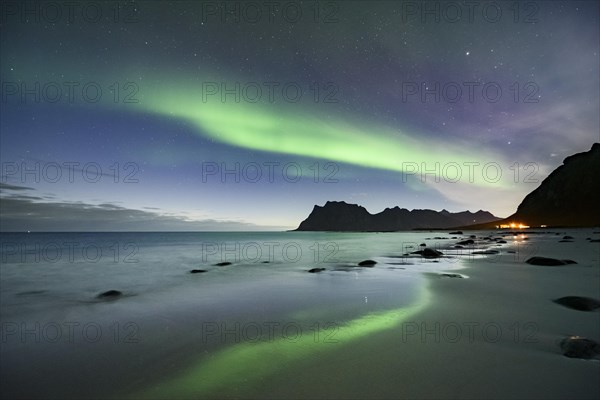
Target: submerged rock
451,276
568,237
109,294
578,303
423,245
579,347
487,252
456,233
429,253
550,262
222,264
197,271
367,263
466,242
315,270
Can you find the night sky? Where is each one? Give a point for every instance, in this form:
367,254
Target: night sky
125,115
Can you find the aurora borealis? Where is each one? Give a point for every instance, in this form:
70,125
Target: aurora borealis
375,103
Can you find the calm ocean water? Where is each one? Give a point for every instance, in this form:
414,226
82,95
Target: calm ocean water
59,340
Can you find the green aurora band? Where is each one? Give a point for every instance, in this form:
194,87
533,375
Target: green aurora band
301,129
304,129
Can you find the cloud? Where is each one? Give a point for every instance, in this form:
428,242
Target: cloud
29,213
6,186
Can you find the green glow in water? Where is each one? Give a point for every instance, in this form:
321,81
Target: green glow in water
243,364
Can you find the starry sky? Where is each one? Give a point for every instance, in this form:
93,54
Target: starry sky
163,115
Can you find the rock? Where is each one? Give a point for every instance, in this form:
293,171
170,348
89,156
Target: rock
422,245
451,275
197,271
473,237
568,237
316,270
579,347
466,242
456,233
458,247
565,241
595,241
429,253
578,303
222,264
109,294
550,262
487,252
367,263
265,262
501,241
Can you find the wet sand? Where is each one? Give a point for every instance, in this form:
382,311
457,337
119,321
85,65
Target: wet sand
493,335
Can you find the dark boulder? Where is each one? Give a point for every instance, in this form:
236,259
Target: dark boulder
466,242
456,233
579,347
109,294
222,264
316,270
578,303
197,271
549,262
367,263
429,253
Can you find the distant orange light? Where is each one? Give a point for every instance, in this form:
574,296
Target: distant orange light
513,225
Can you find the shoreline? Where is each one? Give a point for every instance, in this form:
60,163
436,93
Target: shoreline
494,333
513,351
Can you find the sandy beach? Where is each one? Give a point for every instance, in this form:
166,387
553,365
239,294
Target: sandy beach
517,356
494,335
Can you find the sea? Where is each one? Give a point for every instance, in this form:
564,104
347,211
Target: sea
224,332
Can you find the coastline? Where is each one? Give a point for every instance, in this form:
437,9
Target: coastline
523,360
493,333
508,346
